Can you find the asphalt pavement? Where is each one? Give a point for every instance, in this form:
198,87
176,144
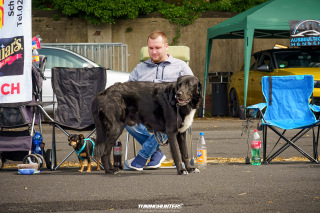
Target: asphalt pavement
289,184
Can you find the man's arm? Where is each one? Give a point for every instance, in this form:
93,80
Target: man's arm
133,75
186,71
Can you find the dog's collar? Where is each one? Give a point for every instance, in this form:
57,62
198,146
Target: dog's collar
84,145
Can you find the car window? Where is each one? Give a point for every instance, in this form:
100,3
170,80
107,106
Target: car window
252,64
295,59
59,58
266,60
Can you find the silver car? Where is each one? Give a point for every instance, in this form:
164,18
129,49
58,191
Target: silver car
59,57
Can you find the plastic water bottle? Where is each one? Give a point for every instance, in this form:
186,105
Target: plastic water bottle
36,42
35,55
35,58
117,155
255,148
201,153
37,142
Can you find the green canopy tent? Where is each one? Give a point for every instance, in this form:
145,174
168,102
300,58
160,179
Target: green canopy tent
267,20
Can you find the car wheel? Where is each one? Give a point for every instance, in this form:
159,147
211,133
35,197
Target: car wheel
233,103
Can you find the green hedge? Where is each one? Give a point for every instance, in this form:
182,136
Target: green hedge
107,11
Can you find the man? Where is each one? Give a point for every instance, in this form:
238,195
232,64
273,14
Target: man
161,67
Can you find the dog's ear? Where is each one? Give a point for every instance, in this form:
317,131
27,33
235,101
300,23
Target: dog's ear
200,89
172,95
197,97
81,136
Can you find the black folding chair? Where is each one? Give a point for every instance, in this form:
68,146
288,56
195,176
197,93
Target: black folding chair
74,89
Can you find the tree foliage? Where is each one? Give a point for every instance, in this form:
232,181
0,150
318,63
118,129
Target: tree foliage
108,11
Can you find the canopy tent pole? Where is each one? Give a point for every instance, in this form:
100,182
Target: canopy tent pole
207,62
248,35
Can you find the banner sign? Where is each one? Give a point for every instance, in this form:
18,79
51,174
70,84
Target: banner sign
304,33
15,51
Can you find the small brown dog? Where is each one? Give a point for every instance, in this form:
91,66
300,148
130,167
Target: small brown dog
84,148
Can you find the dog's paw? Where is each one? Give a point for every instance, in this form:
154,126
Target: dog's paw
191,169
196,170
183,172
116,171
109,171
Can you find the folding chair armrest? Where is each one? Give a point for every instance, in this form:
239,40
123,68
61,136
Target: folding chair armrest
253,109
314,107
259,106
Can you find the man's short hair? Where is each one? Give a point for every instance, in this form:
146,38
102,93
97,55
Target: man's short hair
155,34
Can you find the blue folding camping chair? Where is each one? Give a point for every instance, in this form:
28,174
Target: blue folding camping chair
287,107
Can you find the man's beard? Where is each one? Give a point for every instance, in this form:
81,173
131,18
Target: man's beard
158,59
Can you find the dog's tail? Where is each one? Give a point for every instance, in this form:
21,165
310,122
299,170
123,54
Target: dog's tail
101,124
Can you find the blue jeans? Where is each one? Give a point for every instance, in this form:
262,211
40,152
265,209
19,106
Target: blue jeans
148,142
